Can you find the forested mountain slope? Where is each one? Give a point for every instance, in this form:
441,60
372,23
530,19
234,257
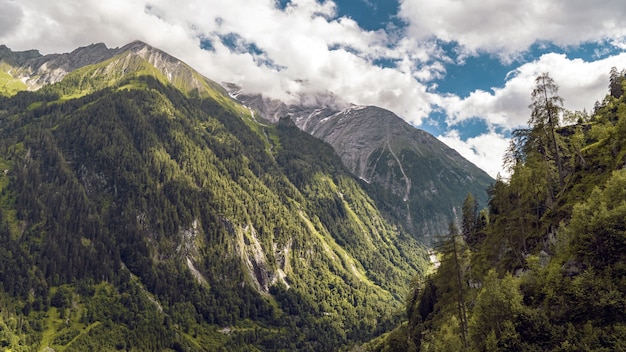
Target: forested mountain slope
416,179
543,267
143,209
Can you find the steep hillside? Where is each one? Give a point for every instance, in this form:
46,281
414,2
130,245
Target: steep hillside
416,179
542,269
142,209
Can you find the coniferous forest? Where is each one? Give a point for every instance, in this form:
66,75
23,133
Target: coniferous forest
136,215
542,268
144,213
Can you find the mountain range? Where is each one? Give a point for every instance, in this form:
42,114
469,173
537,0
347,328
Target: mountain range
144,208
422,181
419,179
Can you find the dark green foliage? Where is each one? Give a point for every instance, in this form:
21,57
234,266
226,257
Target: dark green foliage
473,222
62,298
136,217
301,156
546,272
616,80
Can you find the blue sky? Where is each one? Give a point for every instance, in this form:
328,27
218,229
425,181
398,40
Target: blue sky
369,14
461,70
462,77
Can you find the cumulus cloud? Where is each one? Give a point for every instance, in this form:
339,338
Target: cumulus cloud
313,51
581,84
302,48
306,47
486,150
61,26
510,27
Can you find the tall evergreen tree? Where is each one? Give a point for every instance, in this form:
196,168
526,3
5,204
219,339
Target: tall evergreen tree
471,222
453,268
544,119
615,82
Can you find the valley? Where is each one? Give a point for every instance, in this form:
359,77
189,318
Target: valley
145,207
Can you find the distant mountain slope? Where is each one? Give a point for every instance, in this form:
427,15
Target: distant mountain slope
36,71
414,176
141,208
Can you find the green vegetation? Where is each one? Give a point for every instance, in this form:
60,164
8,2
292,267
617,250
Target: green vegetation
8,85
542,268
136,215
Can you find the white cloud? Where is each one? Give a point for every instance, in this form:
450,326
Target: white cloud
509,27
306,47
61,26
581,84
485,151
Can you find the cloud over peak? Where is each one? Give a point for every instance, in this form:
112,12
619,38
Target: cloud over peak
284,49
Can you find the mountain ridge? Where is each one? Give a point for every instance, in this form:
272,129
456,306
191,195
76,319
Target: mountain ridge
136,213
387,153
37,70
424,206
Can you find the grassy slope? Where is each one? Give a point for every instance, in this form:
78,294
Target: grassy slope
9,85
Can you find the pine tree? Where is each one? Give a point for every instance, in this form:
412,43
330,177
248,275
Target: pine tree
452,275
471,222
615,82
544,119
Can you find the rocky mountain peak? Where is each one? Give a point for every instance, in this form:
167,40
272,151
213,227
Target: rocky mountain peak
150,53
300,106
35,70
425,180
17,57
136,45
84,56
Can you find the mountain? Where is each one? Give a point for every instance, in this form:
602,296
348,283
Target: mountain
30,70
543,267
413,176
141,208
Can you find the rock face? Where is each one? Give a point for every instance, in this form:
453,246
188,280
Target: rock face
418,179
36,70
